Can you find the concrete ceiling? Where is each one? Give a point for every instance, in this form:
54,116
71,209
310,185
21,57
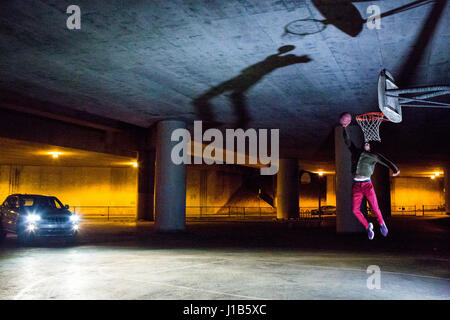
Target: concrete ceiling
17,152
142,61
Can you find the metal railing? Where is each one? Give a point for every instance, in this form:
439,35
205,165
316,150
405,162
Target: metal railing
418,210
309,219
109,213
237,212
128,213
404,210
229,212
429,209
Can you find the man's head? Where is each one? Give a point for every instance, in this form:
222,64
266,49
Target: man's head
285,49
367,146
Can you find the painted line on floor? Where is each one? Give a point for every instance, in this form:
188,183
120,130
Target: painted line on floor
197,289
22,292
360,270
184,287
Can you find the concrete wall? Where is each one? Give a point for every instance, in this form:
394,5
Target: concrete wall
94,186
210,187
76,186
410,191
111,186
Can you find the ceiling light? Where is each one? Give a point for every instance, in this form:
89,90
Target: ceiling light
54,154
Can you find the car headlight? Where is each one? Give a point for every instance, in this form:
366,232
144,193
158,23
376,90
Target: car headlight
31,218
75,218
31,227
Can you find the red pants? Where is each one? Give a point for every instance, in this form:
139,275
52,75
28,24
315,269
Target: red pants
365,189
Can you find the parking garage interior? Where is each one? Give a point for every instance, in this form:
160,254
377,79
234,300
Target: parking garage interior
86,116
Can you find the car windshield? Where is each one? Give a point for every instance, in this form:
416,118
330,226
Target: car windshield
41,202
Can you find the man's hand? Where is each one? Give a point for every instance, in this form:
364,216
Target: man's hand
396,174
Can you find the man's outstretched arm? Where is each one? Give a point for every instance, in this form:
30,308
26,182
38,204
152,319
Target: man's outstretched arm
345,119
387,163
348,141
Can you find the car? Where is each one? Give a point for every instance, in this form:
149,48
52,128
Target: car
324,210
32,217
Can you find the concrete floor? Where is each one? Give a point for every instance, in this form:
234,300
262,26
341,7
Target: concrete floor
232,260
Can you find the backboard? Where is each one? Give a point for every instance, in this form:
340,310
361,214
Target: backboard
389,105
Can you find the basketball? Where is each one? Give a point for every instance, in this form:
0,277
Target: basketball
345,119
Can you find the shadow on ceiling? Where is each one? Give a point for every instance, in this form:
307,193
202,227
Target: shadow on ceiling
343,15
239,85
409,67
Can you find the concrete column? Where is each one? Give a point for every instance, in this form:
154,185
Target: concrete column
170,193
287,189
274,185
447,189
345,220
382,185
145,185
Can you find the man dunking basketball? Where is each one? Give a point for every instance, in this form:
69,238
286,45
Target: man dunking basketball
363,164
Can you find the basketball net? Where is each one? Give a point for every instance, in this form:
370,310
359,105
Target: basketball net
370,125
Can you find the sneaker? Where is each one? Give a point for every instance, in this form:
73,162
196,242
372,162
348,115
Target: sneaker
370,232
384,230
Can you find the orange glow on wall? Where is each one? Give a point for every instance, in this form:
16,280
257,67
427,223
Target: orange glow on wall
410,191
75,186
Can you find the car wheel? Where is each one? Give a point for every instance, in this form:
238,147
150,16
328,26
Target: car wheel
2,232
25,239
71,241
21,239
2,236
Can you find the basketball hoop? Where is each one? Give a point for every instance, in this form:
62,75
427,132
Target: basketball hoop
370,125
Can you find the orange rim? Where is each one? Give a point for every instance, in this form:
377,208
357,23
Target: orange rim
370,116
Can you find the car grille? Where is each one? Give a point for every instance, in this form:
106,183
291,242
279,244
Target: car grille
55,220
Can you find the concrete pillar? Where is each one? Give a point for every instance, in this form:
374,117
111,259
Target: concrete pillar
274,185
145,185
382,185
346,222
447,189
287,189
170,193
